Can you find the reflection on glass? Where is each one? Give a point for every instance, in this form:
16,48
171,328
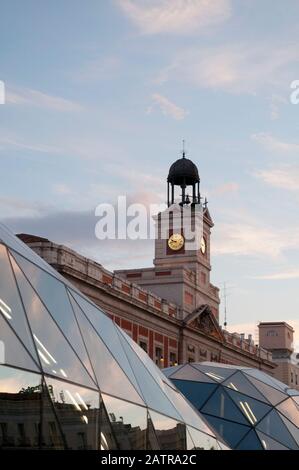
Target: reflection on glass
10,303
200,441
56,355
171,434
128,422
77,409
20,407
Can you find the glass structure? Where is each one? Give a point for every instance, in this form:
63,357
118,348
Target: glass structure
249,409
72,379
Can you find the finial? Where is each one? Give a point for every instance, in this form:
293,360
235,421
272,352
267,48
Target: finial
184,150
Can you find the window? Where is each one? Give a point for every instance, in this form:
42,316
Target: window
191,359
272,333
292,377
172,359
143,345
159,357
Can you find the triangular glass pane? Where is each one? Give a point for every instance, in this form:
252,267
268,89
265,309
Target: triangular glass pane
201,440
252,410
152,393
51,438
10,303
171,434
188,372
272,395
230,432
107,438
77,408
20,404
270,444
56,355
168,371
128,421
187,412
13,351
250,442
257,374
291,427
289,409
240,383
150,366
111,378
54,295
218,374
221,406
105,329
273,426
197,393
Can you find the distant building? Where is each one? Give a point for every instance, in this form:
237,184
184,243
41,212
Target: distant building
278,338
172,309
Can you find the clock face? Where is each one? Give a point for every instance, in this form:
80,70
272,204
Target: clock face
176,241
203,245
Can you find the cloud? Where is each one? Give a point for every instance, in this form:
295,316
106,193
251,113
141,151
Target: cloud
16,144
281,276
233,68
167,107
38,99
286,177
254,238
273,144
175,16
226,188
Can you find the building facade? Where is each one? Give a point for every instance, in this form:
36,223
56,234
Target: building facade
278,338
172,309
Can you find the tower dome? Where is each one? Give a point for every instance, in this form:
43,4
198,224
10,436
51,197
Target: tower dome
183,172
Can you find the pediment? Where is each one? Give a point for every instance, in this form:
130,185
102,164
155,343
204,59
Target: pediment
203,319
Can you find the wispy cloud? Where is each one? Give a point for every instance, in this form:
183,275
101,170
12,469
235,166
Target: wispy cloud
280,276
175,16
167,107
226,188
286,177
233,68
18,144
273,144
38,99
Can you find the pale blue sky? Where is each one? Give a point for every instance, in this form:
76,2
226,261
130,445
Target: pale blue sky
100,94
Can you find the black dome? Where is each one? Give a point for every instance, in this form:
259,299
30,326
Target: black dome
183,171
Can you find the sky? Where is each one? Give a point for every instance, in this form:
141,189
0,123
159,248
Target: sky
98,98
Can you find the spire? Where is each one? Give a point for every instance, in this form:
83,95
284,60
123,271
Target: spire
184,150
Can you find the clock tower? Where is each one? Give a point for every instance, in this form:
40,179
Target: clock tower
182,267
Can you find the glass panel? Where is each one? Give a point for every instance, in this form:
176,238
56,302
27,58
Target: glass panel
218,374
171,434
273,395
115,381
290,410
152,438
197,393
153,394
155,372
188,372
10,304
250,442
230,432
168,371
54,295
270,444
56,355
186,411
240,383
14,352
263,377
128,422
107,332
20,406
273,426
251,409
201,441
77,409
52,438
293,429
222,406
107,439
